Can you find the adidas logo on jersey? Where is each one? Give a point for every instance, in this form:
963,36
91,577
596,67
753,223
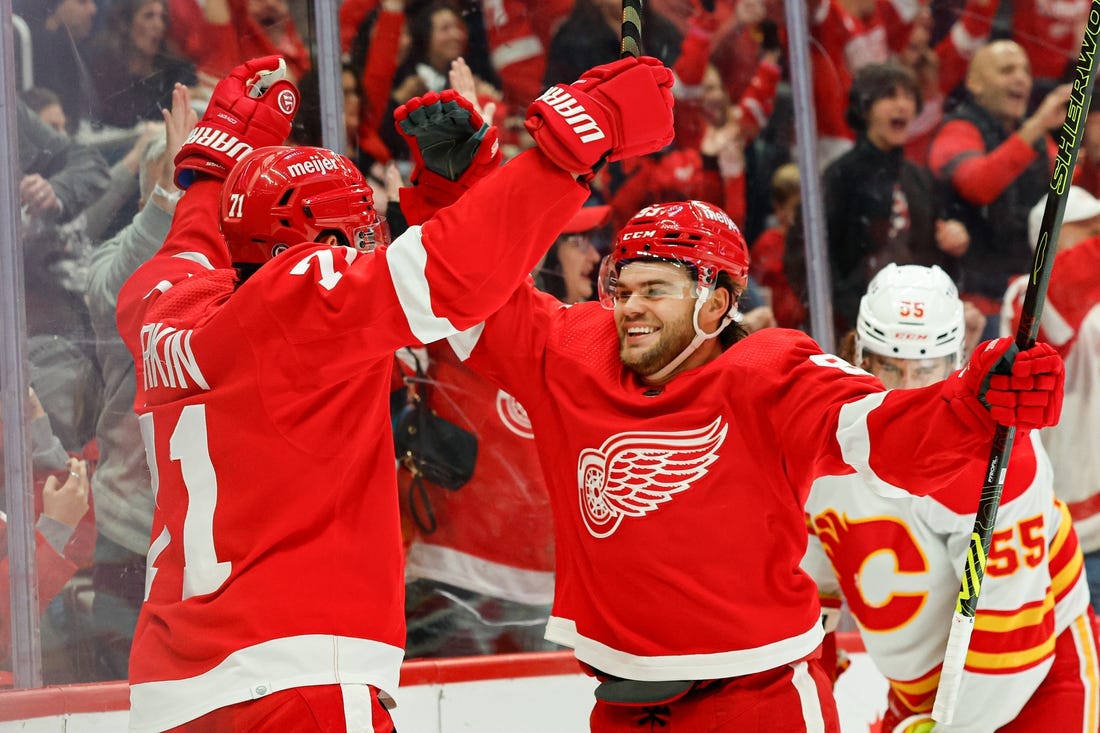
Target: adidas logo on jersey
574,114
218,141
315,164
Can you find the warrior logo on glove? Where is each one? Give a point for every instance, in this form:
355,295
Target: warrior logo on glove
564,104
288,102
251,108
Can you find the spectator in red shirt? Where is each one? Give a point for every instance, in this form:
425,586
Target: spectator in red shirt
996,162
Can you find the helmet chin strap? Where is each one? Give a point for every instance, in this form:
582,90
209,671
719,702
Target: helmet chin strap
700,336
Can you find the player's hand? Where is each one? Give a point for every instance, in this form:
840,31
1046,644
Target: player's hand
613,111
447,136
1020,389
452,149
251,108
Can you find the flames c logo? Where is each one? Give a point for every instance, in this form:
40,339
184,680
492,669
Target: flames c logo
632,473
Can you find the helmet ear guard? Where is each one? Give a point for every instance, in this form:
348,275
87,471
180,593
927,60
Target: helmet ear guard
910,312
277,197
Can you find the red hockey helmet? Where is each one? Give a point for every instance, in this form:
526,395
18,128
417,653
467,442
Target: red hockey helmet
695,233
276,197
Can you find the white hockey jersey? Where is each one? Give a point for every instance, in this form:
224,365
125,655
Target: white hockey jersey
898,559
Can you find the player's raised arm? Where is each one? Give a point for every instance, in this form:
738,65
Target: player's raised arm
475,253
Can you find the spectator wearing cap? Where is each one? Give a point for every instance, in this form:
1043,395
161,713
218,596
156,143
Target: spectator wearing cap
1070,322
568,271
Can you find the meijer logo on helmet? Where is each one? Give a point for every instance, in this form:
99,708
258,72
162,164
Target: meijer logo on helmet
315,164
565,105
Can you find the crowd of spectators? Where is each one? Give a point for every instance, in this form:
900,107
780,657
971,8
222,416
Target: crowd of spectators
935,123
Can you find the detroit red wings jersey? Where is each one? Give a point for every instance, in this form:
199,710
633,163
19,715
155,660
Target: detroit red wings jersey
678,510
898,559
1070,322
495,534
276,554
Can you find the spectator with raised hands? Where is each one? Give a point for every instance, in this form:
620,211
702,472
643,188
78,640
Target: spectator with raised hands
994,159
122,484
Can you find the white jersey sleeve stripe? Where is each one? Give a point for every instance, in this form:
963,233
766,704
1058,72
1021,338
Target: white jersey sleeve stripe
464,342
855,442
407,261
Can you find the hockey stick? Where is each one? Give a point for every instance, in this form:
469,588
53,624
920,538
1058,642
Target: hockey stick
631,44
962,623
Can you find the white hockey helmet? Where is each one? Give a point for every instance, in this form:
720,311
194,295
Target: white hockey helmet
911,312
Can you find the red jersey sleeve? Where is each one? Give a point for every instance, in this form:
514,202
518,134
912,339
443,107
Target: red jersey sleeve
958,154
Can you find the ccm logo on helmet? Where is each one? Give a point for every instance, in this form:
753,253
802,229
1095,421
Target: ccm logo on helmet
565,105
316,164
219,141
649,233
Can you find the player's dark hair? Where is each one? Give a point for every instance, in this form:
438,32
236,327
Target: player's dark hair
734,332
874,82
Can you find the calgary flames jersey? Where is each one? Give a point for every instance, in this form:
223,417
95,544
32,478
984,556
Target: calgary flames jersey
276,552
898,560
678,510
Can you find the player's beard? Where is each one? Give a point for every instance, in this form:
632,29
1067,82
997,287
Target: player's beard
672,339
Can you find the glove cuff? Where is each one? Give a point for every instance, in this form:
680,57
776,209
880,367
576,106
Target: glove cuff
431,193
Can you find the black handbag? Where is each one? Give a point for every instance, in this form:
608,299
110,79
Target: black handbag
432,449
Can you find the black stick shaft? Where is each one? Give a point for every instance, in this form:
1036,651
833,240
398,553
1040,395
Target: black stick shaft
1069,144
632,29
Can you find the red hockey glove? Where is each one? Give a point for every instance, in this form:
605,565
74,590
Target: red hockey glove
452,149
614,111
251,108
1020,389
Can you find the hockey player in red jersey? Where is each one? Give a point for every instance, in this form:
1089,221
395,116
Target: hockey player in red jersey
274,589
679,453
897,558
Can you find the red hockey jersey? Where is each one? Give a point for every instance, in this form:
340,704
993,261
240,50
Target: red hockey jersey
276,552
678,509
